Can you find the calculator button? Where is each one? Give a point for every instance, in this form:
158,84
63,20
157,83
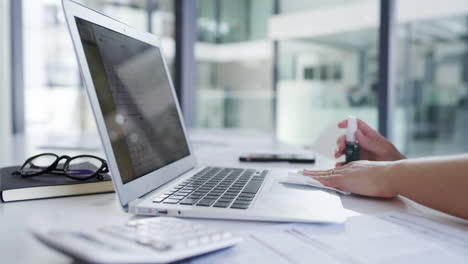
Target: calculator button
226,235
160,246
204,239
216,237
132,223
192,243
145,241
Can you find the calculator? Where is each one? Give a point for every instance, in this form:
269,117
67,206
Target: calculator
150,240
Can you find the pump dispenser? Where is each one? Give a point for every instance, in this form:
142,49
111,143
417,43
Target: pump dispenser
352,147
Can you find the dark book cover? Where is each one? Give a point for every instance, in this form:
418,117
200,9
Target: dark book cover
15,187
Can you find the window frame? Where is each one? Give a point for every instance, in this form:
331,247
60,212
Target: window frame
17,77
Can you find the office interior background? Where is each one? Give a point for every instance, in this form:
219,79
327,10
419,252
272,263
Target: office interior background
288,67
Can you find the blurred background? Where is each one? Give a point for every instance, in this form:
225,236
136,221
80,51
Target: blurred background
287,67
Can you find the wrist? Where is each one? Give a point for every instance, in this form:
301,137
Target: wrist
390,179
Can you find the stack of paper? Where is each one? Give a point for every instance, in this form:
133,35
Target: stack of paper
389,238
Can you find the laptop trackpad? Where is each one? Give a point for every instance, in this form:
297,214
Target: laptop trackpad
300,201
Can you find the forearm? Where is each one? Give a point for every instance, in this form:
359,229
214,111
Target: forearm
440,182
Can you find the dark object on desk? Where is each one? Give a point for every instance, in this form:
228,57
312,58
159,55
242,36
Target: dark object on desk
80,168
13,187
291,158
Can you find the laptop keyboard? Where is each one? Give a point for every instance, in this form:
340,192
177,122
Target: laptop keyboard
217,187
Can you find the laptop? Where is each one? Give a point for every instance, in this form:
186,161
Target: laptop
153,168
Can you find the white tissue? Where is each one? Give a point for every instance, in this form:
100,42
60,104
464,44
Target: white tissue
296,177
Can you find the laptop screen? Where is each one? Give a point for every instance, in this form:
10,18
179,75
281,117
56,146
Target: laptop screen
136,99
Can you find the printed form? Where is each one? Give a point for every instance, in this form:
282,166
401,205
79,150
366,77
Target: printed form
389,238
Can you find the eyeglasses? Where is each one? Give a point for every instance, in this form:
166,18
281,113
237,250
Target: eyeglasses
81,168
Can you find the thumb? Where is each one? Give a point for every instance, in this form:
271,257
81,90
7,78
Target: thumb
365,142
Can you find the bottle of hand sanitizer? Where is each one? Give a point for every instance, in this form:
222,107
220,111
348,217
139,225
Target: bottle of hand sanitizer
352,147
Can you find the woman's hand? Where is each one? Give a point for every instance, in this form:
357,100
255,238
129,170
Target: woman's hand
370,178
373,146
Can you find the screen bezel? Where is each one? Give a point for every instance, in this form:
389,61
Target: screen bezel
140,186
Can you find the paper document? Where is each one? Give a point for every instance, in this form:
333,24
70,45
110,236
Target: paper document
296,177
390,238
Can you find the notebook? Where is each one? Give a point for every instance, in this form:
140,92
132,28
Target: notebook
16,188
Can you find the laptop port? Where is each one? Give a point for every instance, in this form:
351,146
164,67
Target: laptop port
162,211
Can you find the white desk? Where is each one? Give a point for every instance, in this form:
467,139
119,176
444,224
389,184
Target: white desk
220,147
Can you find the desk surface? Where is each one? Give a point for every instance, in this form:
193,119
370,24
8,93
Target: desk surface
220,147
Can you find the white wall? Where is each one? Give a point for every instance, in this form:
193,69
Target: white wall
5,90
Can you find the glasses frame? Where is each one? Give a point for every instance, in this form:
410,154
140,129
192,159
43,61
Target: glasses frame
53,169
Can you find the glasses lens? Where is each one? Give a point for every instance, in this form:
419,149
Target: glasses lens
83,167
38,164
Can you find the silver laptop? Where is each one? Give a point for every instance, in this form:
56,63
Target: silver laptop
150,158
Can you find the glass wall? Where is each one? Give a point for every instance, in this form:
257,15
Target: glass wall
55,101
234,60
433,77
327,69
328,65
291,6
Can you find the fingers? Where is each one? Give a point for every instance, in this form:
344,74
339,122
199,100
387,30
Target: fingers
365,128
332,178
330,181
343,124
365,135
317,173
341,145
366,142
321,173
340,164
